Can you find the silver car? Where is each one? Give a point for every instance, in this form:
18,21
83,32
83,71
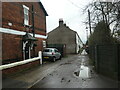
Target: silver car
51,54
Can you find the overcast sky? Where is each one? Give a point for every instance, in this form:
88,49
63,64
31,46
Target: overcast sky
70,11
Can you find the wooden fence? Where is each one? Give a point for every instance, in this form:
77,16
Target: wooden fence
107,60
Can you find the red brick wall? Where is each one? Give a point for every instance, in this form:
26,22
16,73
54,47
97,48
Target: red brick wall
12,47
19,68
13,12
39,45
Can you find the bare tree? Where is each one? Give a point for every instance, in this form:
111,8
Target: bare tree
109,12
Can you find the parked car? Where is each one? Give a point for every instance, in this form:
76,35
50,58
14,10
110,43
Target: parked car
51,54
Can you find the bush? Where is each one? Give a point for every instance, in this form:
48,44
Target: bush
101,35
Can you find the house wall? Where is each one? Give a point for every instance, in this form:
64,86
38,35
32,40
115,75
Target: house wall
12,13
12,47
63,35
79,43
0,48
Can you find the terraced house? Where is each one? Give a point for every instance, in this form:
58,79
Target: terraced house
63,35
23,31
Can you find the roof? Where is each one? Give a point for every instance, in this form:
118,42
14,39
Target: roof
43,8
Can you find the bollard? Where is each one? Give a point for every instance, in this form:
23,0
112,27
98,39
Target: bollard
40,55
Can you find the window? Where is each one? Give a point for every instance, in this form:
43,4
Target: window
46,50
56,50
44,43
26,15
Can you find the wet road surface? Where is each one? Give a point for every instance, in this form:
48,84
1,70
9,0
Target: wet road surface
75,72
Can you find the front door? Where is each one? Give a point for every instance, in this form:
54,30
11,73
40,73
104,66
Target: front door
27,51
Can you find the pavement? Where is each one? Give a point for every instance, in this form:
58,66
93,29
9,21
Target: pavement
60,74
28,78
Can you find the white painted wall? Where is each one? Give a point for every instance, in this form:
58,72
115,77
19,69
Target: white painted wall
78,43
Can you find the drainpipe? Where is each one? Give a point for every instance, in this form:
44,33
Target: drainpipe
33,29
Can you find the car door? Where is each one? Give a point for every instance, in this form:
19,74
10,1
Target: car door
57,54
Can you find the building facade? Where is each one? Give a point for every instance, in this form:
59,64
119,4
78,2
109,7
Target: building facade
23,30
64,35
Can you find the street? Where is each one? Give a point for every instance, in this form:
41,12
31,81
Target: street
74,72
83,35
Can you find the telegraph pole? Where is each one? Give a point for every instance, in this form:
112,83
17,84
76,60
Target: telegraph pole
33,30
89,21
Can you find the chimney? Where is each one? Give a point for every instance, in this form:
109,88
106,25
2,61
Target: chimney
61,22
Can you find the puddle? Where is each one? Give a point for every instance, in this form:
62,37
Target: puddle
84,52
83,72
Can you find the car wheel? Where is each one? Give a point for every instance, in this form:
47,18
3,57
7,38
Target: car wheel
60,57
54,59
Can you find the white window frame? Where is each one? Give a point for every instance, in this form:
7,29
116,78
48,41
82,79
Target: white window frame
44,43
26,15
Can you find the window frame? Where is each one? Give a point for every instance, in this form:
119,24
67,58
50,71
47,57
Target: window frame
26,14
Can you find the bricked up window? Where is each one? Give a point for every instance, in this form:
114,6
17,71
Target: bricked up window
26,15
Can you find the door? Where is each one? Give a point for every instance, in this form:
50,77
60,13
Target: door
57,54
27,51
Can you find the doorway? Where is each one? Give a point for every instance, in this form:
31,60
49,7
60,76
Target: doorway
27,51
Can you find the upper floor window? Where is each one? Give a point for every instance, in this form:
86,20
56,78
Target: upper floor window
26,15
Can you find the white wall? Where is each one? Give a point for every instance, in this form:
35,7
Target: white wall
78,43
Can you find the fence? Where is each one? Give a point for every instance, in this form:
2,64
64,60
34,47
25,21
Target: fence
107,59
21,63
92,53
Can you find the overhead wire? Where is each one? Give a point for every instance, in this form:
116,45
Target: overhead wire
74,4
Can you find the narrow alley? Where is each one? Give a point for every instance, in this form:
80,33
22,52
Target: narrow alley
75,72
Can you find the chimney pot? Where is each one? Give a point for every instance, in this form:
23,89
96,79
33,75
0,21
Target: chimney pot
61,22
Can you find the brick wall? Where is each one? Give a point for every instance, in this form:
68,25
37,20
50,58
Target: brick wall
12,47
12,12
0,48
63,35
20,68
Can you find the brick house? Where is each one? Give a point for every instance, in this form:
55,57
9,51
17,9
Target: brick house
23,31
64,35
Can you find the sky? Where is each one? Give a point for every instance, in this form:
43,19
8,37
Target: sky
71,11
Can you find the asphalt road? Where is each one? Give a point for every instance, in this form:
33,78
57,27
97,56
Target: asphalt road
72,71
65,75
